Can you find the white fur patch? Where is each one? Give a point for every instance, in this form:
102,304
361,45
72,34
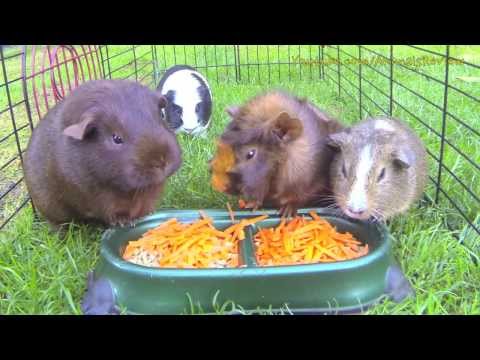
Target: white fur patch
186,95
383,125
357,199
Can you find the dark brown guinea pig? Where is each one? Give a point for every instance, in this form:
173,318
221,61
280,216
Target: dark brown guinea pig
281,156
101,155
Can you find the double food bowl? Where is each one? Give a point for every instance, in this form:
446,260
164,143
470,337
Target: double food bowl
336,287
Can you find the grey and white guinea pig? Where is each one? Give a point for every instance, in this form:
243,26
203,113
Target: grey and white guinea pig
379,170
189,96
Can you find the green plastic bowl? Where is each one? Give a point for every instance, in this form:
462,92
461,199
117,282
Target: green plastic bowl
337,287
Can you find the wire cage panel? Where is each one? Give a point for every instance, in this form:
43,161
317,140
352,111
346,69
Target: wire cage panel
428,89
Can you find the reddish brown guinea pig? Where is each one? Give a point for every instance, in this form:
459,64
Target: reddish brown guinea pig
281,158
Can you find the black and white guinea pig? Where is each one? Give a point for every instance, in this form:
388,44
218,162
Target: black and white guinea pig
189,98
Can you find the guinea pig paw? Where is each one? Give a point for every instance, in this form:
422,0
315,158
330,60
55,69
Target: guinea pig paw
287,211
120,222
254,205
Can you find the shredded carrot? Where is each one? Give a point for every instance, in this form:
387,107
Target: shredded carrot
242,204
256,219
198,244
221,164
304,241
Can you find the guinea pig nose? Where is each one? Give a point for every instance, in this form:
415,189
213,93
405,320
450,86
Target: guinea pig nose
356,211
158,163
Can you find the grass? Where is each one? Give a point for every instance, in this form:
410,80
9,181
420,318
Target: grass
41,274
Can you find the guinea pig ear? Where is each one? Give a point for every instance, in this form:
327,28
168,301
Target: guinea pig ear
403,158
232,126
233,111
80,130
287,128
169,96
337,140
162,101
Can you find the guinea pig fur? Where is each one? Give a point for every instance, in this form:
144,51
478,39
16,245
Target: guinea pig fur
101,155
281,156
379,170
189,106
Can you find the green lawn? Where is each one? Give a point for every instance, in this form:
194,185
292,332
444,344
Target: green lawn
41,274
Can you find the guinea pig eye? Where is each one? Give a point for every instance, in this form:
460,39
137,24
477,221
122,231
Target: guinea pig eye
382,175
344,170
117,139
251,154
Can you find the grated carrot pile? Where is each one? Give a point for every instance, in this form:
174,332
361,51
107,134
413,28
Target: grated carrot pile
221,164
196,245
304,241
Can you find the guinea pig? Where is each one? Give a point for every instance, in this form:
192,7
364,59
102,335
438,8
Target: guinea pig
379,169
189,98
101,155
280,154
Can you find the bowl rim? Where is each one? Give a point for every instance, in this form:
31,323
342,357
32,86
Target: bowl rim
115,260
